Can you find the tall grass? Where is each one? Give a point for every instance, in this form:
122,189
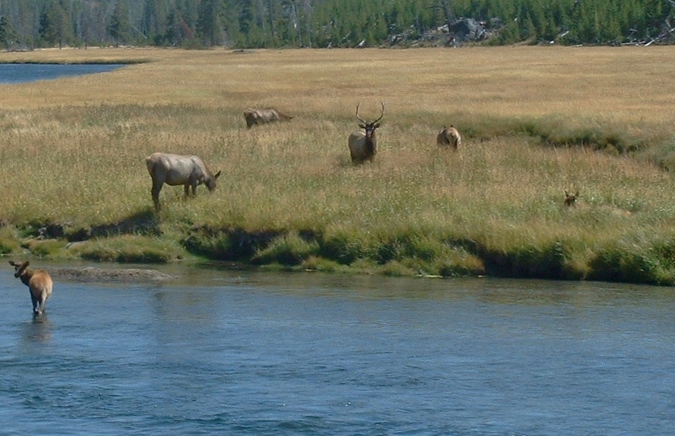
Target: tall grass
533,119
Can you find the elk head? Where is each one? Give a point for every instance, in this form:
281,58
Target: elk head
369,127
570,199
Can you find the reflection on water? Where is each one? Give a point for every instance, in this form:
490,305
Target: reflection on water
241,352
39,329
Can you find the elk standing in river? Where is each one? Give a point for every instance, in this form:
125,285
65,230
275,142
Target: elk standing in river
363,146
174,169
38,281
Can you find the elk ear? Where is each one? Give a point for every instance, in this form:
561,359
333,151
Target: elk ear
577,193
363,126
217,175
567,194
11,262
376,126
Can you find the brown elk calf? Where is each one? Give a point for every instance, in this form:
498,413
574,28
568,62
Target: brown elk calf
449,136
264,116
571,199
38,281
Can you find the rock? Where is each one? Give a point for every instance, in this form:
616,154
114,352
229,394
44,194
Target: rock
92,274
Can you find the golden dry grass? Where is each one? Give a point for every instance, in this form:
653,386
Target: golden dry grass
73,149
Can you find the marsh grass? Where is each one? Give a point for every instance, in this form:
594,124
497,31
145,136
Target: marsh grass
535,121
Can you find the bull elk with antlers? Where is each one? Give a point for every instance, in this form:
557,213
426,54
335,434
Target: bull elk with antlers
363,146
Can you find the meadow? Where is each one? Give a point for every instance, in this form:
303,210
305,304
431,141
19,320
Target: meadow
536,121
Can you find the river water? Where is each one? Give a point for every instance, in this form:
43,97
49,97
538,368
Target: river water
233,352
21,73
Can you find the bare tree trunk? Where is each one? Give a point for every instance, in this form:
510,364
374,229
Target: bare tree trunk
447,11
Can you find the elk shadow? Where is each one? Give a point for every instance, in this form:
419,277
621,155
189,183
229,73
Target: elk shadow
144,222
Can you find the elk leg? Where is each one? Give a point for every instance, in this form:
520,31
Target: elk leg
155,195
43,302
34,301
189,185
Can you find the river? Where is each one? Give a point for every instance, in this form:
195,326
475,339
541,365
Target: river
235,352
21,73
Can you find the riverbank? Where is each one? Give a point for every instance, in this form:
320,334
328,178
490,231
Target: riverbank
536,122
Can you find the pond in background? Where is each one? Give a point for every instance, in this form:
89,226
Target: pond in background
225,352
21,73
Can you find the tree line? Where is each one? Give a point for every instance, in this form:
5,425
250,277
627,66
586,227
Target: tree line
27,24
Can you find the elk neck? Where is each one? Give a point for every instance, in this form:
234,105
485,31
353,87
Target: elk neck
371,140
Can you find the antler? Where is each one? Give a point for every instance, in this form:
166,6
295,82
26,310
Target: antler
362,120
381,115
357,114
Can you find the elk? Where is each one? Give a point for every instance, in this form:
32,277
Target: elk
174,169
449,136
571,199
363,146
38,281
263,116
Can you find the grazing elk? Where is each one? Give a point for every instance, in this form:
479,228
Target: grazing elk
38,281
174,169
449,136
264,116
571,199
363,146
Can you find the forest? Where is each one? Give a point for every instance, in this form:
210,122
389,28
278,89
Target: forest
29,24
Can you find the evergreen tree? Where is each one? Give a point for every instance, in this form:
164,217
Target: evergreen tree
209,29
55,25
118,29
177,29
306,23
153,20
7,33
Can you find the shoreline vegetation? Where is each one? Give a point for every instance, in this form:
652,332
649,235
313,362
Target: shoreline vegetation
535,122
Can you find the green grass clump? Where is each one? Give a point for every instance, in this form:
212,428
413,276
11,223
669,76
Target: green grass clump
131,249
314,263
9,240
289,249
45,248
631,261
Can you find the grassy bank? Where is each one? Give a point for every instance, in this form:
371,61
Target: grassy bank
536,121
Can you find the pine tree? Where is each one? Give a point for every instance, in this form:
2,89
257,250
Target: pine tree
7,33
55,25
209,29
118,29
